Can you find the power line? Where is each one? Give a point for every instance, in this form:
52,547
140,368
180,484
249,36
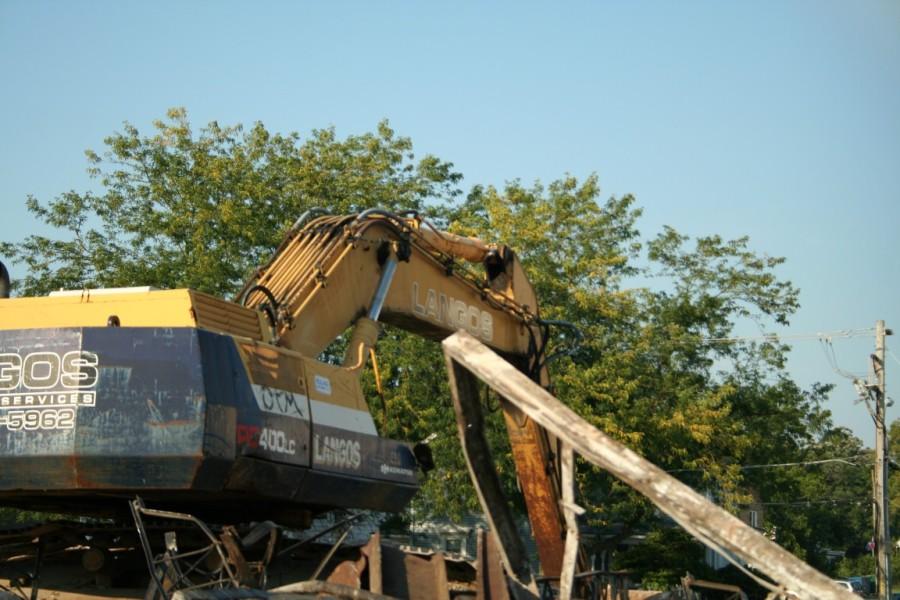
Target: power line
856,501
828,349
894,356
844,459
841,333
863,390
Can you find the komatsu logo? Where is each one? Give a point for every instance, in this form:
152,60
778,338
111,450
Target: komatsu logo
453,313
332,451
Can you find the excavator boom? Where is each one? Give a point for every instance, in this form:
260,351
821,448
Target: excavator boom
321,280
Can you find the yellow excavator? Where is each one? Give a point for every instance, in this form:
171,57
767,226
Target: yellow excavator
221,409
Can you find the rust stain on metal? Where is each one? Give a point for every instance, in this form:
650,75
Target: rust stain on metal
349,573
537,488
427,577
81,482
490,580
372,552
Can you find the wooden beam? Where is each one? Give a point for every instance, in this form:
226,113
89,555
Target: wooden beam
703,519
470,422
570,511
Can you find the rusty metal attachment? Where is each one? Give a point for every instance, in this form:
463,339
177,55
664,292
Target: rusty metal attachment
214,565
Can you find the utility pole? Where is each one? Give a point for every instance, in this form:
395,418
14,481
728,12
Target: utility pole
882,524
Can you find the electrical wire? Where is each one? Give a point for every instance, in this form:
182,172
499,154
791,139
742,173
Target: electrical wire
831,357
823,461
856,501
894,356
863,390
841,333
843,459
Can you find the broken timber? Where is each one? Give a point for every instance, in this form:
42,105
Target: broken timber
703,519
470,422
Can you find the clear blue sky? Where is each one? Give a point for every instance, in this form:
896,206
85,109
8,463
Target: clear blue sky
779,120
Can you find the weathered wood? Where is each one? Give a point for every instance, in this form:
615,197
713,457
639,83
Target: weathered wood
301,591
470,422
880,491
703,519
296,591
570,555
426,577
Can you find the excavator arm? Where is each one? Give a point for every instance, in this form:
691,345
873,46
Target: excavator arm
325,275
334,272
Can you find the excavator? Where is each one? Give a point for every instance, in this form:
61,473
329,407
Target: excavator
222,409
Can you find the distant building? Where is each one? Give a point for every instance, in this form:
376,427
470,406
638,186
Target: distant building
753,514
446,536
457,538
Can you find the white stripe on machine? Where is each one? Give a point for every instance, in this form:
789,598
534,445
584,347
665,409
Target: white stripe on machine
342,417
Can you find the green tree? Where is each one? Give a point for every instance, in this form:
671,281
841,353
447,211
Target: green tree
200,209
654,373
894,477
180,208
823,503
663,559
646,373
